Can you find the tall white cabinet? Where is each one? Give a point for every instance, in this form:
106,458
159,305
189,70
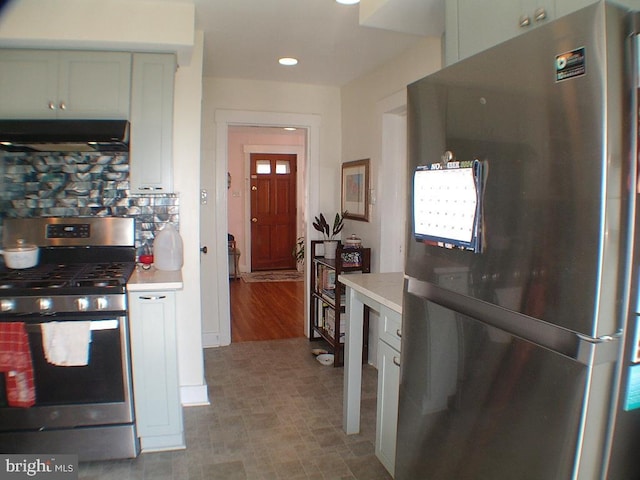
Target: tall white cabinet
154,362
151,148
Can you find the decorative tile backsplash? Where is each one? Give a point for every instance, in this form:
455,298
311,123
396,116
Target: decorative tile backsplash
80,184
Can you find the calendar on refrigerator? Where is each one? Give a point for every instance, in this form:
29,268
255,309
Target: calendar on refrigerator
447,204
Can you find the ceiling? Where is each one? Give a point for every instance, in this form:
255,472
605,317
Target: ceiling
245,38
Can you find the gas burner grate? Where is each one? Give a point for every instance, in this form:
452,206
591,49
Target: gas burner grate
68,275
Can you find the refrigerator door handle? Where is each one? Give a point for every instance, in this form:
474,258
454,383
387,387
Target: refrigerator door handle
598,350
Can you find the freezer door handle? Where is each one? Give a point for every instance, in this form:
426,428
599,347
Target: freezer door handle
531,329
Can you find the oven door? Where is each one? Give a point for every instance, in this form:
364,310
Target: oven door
67,397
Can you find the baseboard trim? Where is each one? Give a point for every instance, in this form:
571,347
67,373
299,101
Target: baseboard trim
210,340
194,395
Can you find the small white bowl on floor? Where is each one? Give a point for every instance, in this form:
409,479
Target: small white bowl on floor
325,359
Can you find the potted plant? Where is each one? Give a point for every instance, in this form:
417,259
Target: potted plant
298,253
329,233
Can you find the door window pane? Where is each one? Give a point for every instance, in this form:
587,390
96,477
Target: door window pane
282,167
263,167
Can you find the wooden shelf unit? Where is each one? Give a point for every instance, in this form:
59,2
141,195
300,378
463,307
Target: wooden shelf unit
327,316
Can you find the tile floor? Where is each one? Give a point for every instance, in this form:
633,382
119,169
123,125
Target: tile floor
275,413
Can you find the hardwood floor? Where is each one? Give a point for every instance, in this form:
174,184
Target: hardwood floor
266,310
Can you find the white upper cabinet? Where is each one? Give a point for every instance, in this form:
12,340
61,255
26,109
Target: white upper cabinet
473,25
40,84
150,149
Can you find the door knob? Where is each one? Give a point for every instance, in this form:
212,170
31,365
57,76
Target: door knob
254,220
203,249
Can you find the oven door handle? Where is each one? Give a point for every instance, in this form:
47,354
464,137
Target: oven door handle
111,324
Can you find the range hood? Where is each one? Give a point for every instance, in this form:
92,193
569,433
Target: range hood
64,135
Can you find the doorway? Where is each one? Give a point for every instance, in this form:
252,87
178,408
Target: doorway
216,319
267,167
273,211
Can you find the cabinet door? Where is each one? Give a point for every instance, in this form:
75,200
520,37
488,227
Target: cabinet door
484,24
564,7
387,407
28,84
155,367
473,26
94,85
538,12
150,154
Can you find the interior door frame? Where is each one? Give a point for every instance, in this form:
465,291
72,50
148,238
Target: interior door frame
297,150
224,119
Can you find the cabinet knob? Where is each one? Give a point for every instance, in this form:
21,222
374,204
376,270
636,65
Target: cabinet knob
399,333
63,106
524,21
396,361
52,106
254,220
254,188
204,249
540,14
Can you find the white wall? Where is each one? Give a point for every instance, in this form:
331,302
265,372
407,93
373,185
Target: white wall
350,130
186,168
256,102
362,123
364,104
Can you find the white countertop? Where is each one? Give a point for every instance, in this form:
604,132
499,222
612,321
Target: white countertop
154,279
384,288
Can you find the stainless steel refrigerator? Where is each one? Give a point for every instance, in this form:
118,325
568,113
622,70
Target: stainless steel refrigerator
520,339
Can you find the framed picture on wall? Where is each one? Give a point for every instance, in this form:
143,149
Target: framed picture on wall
355,190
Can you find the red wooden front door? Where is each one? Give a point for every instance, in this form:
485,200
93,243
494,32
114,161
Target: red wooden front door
273,211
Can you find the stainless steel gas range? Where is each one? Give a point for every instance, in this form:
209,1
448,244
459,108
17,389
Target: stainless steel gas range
64,340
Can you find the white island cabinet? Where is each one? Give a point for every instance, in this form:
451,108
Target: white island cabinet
381,292
156,389
388,386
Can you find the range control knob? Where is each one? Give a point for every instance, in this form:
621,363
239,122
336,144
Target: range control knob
45,304
7,304
102,303
82,304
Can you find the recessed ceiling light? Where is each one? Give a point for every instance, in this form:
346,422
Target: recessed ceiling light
348,2
288,61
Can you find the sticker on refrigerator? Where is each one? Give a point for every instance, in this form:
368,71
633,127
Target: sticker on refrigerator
632,400
570,64
447,204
